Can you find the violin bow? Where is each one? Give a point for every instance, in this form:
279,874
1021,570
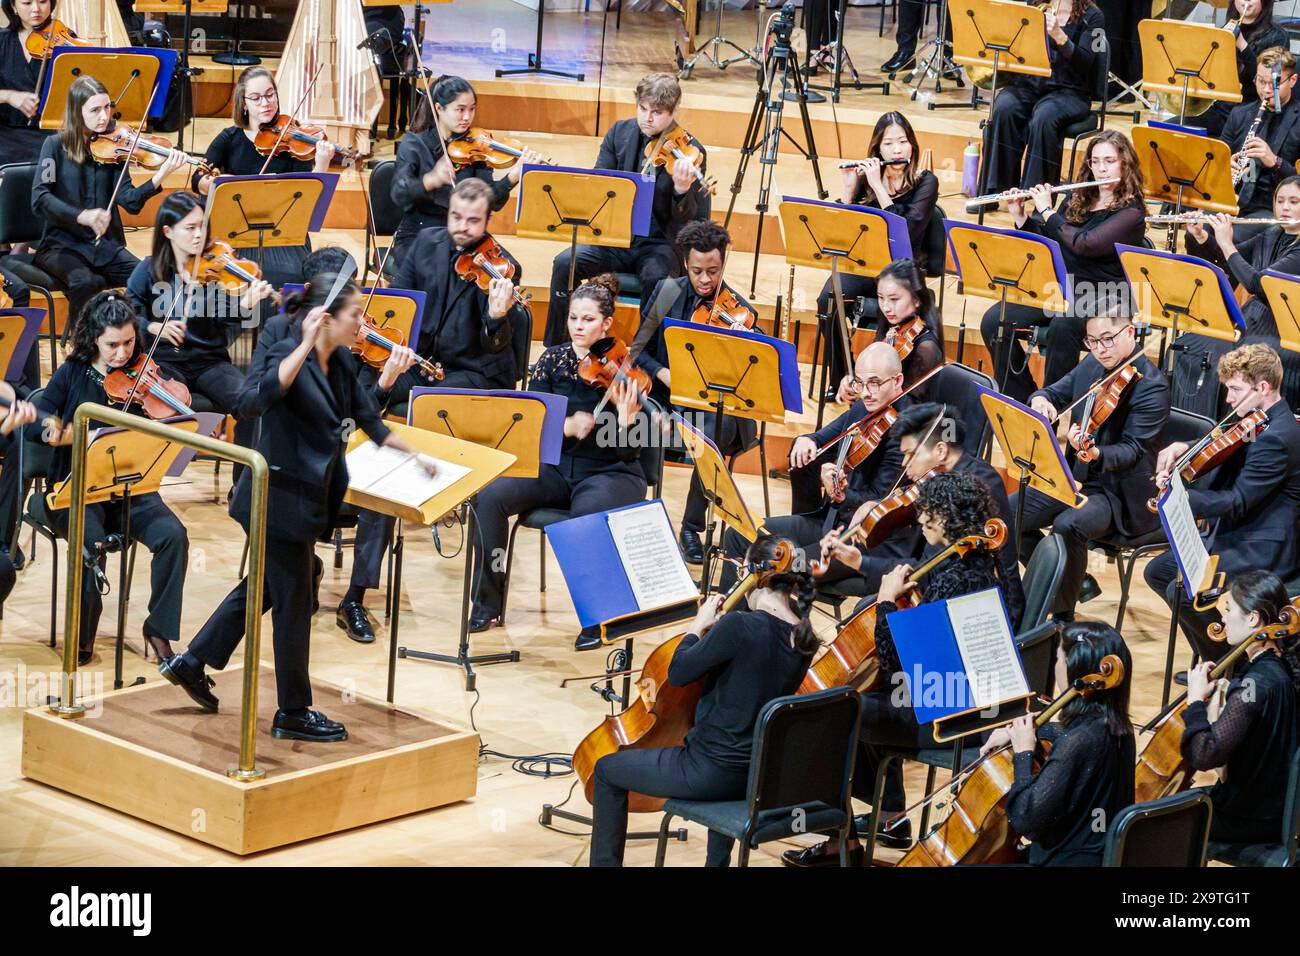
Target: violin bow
867,419
1098,385
126,164
433,113
292,118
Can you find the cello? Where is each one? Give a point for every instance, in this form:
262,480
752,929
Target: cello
1161,768
663,713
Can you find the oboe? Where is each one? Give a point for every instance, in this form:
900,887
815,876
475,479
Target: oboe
973,204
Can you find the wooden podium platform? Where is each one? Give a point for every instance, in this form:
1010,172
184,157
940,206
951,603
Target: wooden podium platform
149,752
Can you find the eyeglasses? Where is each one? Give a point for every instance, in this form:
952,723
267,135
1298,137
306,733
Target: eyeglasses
1104,341
871,384
258,98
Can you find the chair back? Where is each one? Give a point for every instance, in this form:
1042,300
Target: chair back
521,342
1171,831
386,213
1291,810
17,222
37,457
1101,66
936,245
1037,649
957,385
1041,579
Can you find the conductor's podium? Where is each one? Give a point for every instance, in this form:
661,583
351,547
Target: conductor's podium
150,752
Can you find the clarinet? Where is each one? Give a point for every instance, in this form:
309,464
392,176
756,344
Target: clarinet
1246,188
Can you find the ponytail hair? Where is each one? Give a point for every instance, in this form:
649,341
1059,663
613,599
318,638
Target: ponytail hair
797,586
317,294
1263,593
601,289
443,91
1086,644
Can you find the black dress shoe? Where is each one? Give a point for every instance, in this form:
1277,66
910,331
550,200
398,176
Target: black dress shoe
308,725
897,837
483,622
896,62
1181,678
195,683
1089,590
588,638
352,617
692,548
820,854
85,657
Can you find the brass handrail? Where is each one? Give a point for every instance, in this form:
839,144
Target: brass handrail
250,459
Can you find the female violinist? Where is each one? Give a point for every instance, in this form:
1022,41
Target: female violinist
199,329
20,137
752,655
598,467
106,338
83,245
1065,806
424,177
1255,734
950,506
1094,220
309,398
891,179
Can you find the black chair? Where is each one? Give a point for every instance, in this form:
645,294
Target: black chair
384,214
1171,831
800,776
18,224
1095,122
1282,853
936,254
957,385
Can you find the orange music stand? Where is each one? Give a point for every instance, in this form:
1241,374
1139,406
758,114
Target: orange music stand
1189,60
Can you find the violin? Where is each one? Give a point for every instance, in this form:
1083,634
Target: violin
375,344
1216,448
1100,405
41,43
976,830
218,263
725,311
283,135
860,442
485,262
904,335
1161,768
160,397
607,363
663,713
123,142
477,145
674,145
851,659
6,301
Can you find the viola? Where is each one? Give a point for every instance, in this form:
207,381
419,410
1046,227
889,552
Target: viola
977,830
1100,405
1216,448
1161,768
674,145
41,43
663,713
283,135
860,442
851,658
485,262
724,310
122,142
374,345
607,362
477,145
904,335
160,397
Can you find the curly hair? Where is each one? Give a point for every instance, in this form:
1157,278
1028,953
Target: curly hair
704,236
601,289
959,501
797,586
1128,191
109,309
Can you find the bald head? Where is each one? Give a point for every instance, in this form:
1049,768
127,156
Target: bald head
881,372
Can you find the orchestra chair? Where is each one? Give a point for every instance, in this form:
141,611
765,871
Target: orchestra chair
1170,831
1095,121
17,224
1282,853
1036,643
800,777
384,214
936,256
957,386
1125,551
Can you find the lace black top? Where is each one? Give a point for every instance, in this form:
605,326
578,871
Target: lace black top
556,372
1088,247
925,357
916,205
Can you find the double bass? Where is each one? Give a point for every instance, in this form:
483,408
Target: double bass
663,713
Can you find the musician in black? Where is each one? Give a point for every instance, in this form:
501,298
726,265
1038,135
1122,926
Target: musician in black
1118,482
424,177
16,415
679,198
20,135
1252,501
83,246
911,17
1254,736
703,246
1256,31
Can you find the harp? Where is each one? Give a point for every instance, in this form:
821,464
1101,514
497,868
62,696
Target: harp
97,21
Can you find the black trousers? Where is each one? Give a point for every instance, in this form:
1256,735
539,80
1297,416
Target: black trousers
155,526
851,287
1064,342
1122,18
583,486
731,441
884,724
1077,526
80,279
1161,575
669,772
911,18
287,592
11,490
1027,119
650,259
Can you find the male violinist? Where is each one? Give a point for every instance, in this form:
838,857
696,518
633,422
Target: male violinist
703,246
1253,498
678,200
1118,480
823,496
470,332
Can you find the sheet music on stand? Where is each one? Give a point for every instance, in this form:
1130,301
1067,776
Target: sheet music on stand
1195,563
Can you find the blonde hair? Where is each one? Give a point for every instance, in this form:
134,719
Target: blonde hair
1255,363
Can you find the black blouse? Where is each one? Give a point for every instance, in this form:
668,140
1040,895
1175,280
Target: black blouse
211,315
16,73
1270,248
916,205
1074,62
232,152
926,354
1088,248
556,372
417,154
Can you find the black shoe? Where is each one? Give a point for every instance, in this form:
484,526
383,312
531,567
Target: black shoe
85,657
1090,589
18,559
820,854
318,572
161,646
483,622
897,837
309,725
692,548
195,683
588,638
896,62
352,617
1181,678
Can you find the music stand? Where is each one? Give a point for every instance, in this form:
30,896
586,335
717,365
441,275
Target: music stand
1189,59
233,56
19,330
1168,288
185,8
257,212
603,207
1009,266
1028,442
1185,167
133,77
121,464
859,240
1282,292
534,67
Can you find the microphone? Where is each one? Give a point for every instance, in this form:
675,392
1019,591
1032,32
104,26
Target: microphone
1277,83
1205,367
369,42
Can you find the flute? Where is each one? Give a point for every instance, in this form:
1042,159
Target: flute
884,162
1186,217
973,204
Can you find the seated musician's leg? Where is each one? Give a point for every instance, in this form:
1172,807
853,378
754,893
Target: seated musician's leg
1045,142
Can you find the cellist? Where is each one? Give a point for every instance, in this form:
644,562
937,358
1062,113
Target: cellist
755,654
1255,734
